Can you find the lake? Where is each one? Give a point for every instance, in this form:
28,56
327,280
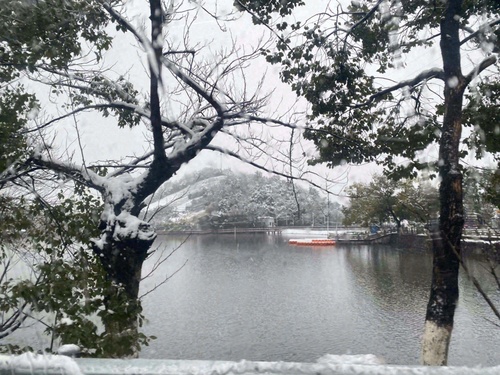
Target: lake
256,297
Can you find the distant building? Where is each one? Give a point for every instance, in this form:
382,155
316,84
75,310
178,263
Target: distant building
266,221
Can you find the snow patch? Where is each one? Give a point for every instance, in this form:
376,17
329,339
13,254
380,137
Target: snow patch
122,187
477,240
31,363
347,365
453,82
360,359
67,321
193,367
129,226
99,242
69,350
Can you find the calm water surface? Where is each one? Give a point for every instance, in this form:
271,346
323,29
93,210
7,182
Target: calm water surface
255,297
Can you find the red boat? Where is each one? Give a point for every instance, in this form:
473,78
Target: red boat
312,242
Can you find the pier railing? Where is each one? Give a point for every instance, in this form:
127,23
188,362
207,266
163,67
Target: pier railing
275,230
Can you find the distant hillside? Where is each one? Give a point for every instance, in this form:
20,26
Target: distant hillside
217,199
175,204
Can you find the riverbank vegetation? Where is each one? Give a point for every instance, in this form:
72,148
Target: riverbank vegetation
384,200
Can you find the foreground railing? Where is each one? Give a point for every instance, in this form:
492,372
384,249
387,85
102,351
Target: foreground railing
30,364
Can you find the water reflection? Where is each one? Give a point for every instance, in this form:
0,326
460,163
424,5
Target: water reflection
258,298
394,287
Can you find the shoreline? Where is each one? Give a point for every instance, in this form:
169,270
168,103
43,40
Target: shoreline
476,245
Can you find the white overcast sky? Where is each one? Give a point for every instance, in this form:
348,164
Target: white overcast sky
102,140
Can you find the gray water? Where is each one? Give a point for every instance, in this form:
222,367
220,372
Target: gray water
255,297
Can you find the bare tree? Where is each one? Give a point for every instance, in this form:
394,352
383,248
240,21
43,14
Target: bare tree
190,98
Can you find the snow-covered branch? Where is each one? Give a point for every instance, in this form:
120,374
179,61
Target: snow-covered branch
423,76
477,34
487,62
219,108
123,22
79,174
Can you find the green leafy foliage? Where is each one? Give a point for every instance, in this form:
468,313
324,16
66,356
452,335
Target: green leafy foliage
481,193
48,32
51,269
39,36
335,63
46,36
482,115
492,189
15,108
262,10
384,200
482,118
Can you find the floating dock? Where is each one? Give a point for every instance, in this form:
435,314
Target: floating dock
312,242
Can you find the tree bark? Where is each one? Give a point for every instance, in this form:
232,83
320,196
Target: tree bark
446,240
125,240
122,252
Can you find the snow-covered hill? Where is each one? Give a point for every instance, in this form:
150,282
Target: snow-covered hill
215,198
181,205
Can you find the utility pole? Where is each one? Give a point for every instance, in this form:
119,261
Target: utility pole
327,207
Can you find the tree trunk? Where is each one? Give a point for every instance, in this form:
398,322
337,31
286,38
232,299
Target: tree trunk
122,254
446,241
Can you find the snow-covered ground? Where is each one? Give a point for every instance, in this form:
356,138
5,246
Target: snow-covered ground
32,364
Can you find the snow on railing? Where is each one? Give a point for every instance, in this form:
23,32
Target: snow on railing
33,364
